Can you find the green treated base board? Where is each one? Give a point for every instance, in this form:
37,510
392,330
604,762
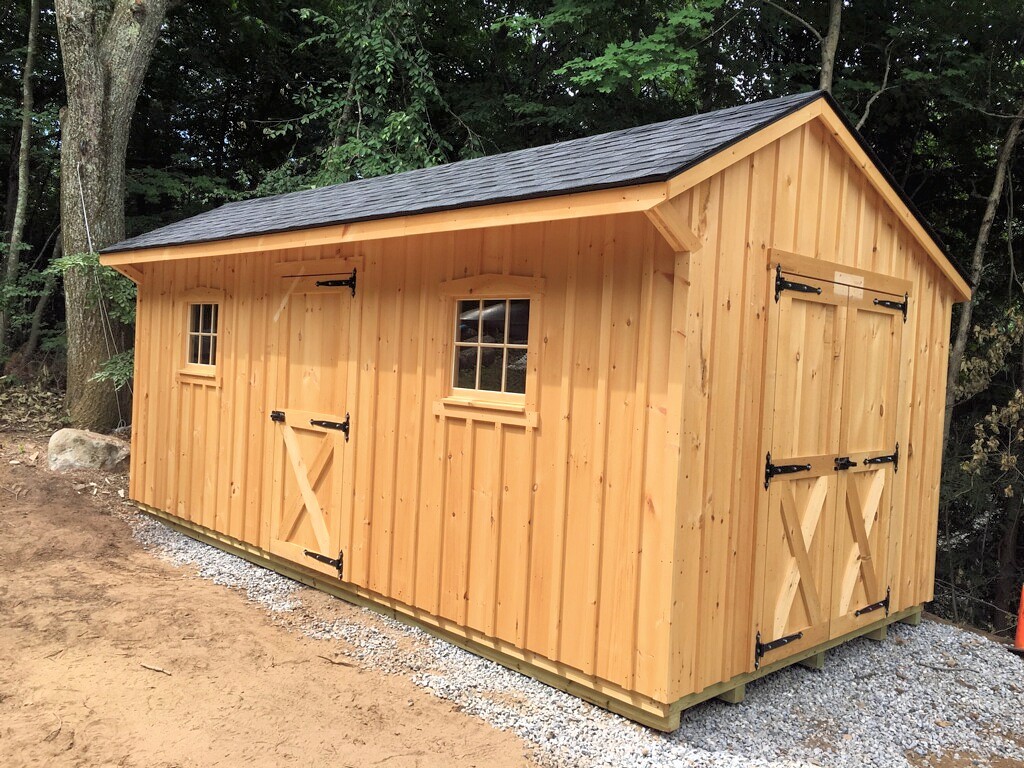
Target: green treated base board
732,690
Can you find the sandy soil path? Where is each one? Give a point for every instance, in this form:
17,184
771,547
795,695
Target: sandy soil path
109,657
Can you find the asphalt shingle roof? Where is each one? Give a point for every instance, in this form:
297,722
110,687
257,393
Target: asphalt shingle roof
622,158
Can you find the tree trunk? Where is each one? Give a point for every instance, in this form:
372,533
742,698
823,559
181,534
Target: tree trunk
21,206
12,183
829,45
1007,590
105,50
963,331
36,329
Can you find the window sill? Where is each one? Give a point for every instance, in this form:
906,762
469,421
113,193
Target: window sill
478,409
195,374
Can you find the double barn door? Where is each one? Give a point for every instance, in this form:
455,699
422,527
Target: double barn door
832,394
311,504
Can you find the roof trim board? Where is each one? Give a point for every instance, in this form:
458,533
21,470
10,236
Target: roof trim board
648,198
827,112
905,210
561,207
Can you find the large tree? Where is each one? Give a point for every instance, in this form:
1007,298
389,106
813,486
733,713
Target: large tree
106,47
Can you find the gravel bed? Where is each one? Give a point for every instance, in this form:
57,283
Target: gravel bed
931,691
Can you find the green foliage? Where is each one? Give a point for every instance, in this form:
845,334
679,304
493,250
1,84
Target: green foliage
375,120
659,55
118,291
118,370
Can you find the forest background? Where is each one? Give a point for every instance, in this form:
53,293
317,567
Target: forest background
117,116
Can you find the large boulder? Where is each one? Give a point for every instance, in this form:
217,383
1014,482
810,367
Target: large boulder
71,449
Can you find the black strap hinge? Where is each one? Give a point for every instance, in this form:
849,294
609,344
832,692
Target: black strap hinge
349,282
782,284
771,470
875,606
338,562
277,416
760,649
343,426
902,306
893,458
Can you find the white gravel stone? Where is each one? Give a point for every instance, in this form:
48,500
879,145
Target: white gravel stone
932,690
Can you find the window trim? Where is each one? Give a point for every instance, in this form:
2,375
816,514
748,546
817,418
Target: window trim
196,373
510,407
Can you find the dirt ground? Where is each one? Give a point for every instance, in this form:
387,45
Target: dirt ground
110,657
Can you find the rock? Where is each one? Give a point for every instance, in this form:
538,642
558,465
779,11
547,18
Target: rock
71,449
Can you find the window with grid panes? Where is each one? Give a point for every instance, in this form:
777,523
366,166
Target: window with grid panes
490,345
202,334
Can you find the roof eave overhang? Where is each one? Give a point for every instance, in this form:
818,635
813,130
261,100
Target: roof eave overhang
654,199
635,198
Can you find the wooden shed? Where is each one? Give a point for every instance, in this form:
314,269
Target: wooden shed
645,415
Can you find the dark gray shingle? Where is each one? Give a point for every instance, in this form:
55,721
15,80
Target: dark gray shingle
634,156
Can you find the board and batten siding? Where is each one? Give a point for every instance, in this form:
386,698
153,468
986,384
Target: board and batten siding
610,534
801,194
522,531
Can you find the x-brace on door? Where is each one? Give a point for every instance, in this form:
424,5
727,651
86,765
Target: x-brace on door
831,401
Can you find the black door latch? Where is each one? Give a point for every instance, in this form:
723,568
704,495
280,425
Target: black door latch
844,463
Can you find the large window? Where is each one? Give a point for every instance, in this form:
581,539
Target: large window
202,334
491,344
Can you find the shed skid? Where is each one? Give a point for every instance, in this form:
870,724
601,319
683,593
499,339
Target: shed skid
645,444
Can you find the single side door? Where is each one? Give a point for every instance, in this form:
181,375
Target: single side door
868,458
310,409
803,390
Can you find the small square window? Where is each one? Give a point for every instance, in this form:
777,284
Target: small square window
491,345
202,334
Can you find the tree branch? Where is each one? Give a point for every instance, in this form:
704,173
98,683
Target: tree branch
881,90
802,22
963,331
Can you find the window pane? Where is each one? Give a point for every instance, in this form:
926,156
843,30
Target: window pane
213,348
491,362
206,324
465,367
193,325
204,349
494,323
518,320
215,308
469,321
193,348
515,372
